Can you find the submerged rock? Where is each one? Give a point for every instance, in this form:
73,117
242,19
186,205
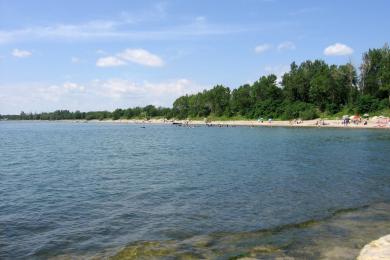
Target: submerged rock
376,250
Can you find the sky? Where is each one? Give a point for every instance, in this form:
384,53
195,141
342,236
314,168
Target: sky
101,55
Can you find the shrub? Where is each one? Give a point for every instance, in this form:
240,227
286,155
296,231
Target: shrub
367,103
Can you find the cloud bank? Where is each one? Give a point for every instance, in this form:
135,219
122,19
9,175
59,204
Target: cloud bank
106,94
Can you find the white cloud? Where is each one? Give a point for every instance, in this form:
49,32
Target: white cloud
281,47
262,48
338,49
109,61
70,86
55,93
142,57
286,46
117,88
161,93
20,53
139,56
106,94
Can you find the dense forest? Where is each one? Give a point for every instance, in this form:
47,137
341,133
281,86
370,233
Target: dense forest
309,90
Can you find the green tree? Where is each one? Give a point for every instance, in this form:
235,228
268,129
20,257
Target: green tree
181,107
384,76
375,72
266,88
150,111
218,100
117,114
241,100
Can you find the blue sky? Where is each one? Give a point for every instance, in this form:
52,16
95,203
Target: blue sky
95,55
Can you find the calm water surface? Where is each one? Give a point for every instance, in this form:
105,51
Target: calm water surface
77,189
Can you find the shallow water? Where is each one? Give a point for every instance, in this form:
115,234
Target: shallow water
341,235
89,189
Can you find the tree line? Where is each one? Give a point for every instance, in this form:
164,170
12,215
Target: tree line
306,91
146,112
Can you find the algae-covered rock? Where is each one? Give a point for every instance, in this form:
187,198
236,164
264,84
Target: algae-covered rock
156,250
145,250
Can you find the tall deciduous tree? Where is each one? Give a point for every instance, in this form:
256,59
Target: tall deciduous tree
375,72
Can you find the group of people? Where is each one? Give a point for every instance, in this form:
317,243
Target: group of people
320,122
296,121
346,121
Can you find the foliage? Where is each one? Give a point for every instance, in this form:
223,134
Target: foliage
302,110
375,72
130,113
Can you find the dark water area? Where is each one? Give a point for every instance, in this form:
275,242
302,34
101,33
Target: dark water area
73,189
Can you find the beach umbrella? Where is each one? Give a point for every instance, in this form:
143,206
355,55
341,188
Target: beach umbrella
366,115
345,116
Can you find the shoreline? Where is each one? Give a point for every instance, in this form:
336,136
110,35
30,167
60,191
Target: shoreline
371,124
315,123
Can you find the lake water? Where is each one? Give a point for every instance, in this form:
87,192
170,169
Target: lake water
80,190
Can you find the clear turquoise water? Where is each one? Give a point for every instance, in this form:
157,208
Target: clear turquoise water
73,188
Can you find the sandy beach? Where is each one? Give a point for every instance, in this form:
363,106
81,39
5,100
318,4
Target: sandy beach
372,123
